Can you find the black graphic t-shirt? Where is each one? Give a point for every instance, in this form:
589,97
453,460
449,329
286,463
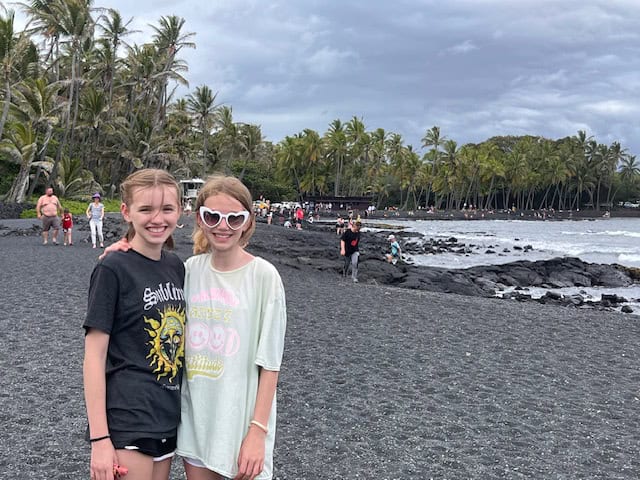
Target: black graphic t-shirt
140,303
351,240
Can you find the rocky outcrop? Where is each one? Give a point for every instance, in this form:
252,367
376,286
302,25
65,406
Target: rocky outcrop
318,248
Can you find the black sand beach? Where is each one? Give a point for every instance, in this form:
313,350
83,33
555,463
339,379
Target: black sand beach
378,382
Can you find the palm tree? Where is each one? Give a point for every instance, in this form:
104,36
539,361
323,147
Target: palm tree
12,49
628,173
251,144
35,103
289,161
395,150
92,116
449,176
227,135
412,167
169,39
377,154
113,30
629,169
20,147
432,138
312,155
359,142
180,132
46,26
73,178
72,22
201,104
336,149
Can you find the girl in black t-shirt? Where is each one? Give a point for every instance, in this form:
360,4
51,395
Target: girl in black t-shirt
134,343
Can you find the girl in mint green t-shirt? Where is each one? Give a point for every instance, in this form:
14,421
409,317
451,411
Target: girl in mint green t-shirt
234,342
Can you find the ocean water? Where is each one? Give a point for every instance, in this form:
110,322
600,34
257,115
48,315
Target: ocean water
607,241
615,240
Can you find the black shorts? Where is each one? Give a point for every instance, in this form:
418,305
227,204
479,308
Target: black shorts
154,447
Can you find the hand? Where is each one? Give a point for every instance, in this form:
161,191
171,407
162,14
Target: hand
120,246
342,252
103,458
251,457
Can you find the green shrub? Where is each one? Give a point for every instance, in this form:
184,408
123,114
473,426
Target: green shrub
75,206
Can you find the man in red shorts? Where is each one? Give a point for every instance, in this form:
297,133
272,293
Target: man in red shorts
48,209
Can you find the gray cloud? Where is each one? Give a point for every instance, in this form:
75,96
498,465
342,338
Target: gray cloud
475,68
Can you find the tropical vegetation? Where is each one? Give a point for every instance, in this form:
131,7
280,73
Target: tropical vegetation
81,108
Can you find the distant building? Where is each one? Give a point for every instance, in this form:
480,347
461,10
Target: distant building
348,203
191,187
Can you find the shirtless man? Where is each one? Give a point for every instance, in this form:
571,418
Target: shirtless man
48,209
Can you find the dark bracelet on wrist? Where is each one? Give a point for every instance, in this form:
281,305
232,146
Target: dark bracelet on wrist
97,439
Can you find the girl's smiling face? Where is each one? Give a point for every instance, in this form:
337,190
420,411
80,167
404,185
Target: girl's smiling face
222,238
154,214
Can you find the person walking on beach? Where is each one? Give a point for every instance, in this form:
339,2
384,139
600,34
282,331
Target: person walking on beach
95,214
48,209
67,227
134,342
349,249
339,226
396,251
188,207
299,216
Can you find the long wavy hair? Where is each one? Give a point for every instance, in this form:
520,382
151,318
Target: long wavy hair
227,185
147,178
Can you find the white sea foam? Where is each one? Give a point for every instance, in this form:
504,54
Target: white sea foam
627,258
601,241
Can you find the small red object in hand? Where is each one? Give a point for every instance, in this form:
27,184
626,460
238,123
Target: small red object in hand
119,471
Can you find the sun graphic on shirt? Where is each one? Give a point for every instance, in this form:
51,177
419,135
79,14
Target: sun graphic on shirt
167,342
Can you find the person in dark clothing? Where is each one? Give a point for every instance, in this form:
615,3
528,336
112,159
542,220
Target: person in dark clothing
349,243
134,342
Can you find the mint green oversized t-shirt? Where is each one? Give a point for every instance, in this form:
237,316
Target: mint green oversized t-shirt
236,323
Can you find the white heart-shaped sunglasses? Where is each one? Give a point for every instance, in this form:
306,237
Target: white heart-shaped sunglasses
212,218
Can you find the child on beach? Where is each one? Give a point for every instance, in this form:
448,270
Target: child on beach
67,227
134,343
396,252
95,214
235,341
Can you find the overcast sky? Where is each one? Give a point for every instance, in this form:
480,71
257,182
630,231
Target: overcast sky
475,68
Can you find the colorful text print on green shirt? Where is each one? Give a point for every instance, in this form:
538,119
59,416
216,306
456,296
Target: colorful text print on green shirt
213,343
221,295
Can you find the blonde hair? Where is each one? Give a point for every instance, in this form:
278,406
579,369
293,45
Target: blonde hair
147,178
221,184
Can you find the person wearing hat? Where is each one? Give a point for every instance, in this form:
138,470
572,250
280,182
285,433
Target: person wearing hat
95,214
396,252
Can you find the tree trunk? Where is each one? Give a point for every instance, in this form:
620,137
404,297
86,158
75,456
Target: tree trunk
19,187
7,104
